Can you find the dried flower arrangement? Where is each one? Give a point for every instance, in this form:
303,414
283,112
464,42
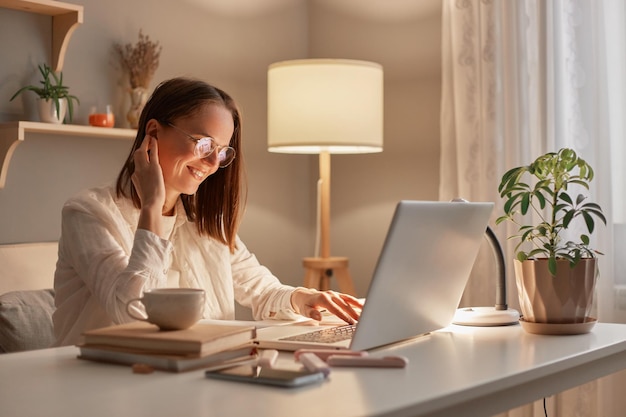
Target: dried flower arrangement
140,60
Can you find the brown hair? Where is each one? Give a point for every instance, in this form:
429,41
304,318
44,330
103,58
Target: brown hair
217,206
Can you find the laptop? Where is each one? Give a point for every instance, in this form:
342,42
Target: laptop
417,284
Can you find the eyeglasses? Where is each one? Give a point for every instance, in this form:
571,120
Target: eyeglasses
204,147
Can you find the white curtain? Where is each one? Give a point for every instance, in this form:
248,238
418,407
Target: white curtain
521,78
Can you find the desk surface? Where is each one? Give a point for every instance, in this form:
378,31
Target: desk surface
455,371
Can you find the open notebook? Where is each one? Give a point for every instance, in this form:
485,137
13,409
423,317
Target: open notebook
418,281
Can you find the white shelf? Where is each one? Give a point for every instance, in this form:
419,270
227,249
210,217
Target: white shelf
65,18
12,133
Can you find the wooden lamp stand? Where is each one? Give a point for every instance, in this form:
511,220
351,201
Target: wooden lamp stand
319,270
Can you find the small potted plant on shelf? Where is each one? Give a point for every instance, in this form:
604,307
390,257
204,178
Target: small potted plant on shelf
555,277
54,97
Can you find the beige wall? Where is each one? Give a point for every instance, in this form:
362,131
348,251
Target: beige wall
231,44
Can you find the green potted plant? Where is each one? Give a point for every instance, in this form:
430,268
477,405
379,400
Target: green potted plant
53,96
555,276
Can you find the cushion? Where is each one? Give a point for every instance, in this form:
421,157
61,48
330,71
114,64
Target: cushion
26,320
27,266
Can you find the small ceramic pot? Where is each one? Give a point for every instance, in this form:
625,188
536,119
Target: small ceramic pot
566,298
48,112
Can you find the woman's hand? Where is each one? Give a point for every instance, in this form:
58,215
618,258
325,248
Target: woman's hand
308,302
148,181
148,177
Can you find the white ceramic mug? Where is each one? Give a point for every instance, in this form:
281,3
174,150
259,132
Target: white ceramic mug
170,308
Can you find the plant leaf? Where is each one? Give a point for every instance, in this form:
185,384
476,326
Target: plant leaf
525,203
584,239
569,215
552,265
565,197
588,221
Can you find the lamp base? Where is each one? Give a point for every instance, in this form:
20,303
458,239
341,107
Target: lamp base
485,317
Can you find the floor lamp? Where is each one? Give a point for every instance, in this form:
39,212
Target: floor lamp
325,106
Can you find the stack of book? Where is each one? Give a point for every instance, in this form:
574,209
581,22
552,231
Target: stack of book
201,346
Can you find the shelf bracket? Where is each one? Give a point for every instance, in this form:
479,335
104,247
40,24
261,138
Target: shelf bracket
63,26
9,139
65,19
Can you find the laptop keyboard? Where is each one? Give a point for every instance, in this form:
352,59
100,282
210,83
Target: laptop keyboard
328,335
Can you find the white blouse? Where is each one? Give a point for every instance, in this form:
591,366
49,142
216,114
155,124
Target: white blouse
105,261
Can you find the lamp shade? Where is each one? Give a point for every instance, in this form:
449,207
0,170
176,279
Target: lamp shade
325,105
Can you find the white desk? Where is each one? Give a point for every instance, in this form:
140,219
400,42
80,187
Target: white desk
457,371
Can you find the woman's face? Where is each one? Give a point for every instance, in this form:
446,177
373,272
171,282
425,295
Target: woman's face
183,172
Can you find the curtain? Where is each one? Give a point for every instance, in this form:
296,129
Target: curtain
521,78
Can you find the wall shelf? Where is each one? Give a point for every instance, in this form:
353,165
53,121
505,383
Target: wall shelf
13,133
65,19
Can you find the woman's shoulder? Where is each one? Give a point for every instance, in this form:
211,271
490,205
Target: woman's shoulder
92,195
100,201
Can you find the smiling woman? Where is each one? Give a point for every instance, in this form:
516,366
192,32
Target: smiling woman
203,110
171,220
186,160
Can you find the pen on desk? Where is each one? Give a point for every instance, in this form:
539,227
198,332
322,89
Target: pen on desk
368,362
267,358
313,363
323,354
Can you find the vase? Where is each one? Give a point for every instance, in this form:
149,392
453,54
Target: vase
566,298
48,112
138,98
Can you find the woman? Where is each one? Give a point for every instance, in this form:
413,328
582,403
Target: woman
170,221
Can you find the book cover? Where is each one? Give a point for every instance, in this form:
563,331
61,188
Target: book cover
169,363
200,339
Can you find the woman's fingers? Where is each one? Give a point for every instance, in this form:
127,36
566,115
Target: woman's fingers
141,155
147,155
313,313
153,150
147,177
341,305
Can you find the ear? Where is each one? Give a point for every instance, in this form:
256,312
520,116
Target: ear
153,127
